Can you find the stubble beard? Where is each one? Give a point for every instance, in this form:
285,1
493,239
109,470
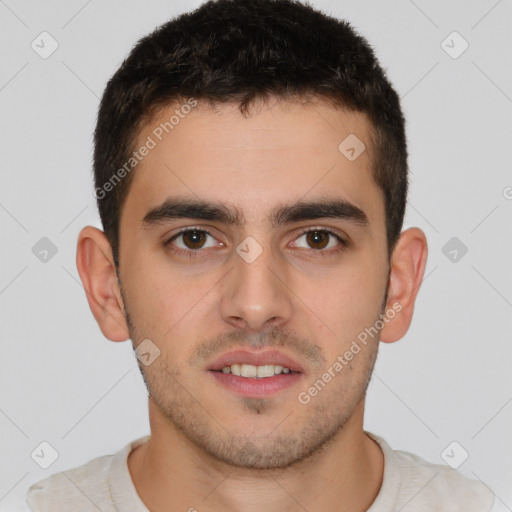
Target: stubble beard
286,445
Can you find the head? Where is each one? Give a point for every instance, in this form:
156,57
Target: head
272,131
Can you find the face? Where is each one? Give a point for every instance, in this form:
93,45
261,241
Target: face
252,254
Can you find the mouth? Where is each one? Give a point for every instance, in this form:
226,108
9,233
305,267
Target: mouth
256,374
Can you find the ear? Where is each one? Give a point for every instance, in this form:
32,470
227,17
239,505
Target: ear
408,263
97,271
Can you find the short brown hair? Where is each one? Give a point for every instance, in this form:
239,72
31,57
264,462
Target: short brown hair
240,51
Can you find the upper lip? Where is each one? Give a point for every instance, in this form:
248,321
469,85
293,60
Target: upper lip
259,358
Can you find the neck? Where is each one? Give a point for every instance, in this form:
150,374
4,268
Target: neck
344,476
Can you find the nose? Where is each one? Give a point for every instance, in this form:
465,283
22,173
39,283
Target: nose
255,294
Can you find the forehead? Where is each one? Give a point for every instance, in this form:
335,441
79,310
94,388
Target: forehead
281,152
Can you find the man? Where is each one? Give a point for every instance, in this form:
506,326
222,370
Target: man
251,176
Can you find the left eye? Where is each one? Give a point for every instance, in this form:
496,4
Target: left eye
320,239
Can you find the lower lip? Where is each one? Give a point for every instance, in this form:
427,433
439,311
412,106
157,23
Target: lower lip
256,388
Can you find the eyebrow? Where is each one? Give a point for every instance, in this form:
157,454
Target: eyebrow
181,208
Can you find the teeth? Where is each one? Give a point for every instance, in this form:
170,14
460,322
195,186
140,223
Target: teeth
265,371
259,372
247,370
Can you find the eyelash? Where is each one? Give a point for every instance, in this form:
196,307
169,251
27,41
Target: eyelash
193,253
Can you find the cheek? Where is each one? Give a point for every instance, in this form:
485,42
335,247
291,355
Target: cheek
349,302
164,302
150,295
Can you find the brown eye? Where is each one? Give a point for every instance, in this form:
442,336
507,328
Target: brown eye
320,239
190,240
317,239
194,239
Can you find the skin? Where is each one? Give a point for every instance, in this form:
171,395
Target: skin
211,448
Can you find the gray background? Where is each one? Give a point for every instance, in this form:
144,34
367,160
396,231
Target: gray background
447,380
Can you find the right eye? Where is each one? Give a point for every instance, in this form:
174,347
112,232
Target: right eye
190,241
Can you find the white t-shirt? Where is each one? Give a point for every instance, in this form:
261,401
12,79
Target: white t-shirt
410,484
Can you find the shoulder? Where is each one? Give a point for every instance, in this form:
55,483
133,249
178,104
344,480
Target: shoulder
85,488
441,485
79,488
418,485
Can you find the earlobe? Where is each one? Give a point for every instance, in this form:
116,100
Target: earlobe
408,263
98,274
